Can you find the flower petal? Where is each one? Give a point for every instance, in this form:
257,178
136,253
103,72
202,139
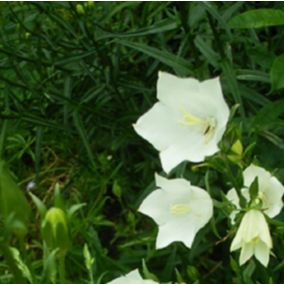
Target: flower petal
263,230
132,277
160,126
233,197
182,230
172,184
199,98
192,148
253,237
270,188
156,205
179,209
253,171
273,192
175,92
201,206
262,253
188,122
212,92
237,241
246,253
251,225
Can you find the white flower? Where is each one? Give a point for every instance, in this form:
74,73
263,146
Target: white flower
179,208
253,237
188,121
270,190
132,277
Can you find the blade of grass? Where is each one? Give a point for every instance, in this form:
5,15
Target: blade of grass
83,135
181,65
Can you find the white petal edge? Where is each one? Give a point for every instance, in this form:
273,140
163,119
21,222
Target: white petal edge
191,148
155,205
177,230
246,253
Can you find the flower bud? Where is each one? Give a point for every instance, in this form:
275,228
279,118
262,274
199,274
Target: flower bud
55,230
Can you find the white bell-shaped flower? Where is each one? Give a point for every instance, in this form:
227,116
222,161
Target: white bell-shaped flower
179,209
253,238
270,191
187,122
132,277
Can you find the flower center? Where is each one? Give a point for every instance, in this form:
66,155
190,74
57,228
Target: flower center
210,126
179,209
261,199
254,241
206,126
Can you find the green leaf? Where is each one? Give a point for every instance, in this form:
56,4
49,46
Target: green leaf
277,73
84,137
14,208
159,27
74,208
212,9
253,189
180,64
179,277
252,75
21,265
207,51
258,18
269,113
248,272
147,273
50,268
192,273
116,189
39,204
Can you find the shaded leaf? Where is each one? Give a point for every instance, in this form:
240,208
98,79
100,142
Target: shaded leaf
14,207
277,73
178,63
258,18
269,113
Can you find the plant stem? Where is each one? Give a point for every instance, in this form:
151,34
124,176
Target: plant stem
2,138
62,269
91,277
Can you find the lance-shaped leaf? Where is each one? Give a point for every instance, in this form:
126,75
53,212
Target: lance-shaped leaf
14,208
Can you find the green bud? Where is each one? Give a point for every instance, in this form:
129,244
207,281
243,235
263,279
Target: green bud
89,260
192,273
90,3
55,230
116,189
237,148
80,9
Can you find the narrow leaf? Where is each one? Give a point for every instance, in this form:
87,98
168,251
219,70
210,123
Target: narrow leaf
258,18
253,189
13,204
269,113
178,63
277,73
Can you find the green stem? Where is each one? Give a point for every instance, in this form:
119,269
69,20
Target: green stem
2,138
62,269
91,277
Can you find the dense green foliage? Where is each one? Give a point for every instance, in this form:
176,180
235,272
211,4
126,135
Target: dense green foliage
75,77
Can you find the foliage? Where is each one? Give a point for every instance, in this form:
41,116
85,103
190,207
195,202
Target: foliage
75,77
